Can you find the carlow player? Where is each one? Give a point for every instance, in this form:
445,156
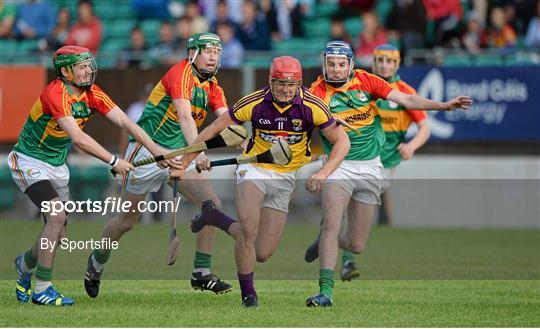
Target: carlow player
177,105
37,162
395,120
358,182
283,109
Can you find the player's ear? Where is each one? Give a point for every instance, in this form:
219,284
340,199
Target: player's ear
67,73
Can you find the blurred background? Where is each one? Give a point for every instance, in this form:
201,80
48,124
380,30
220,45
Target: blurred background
480,168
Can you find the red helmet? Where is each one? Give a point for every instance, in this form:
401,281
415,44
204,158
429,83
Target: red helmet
286,68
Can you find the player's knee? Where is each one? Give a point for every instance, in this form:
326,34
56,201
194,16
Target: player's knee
357,246
127,222
261,258
58,219
248,233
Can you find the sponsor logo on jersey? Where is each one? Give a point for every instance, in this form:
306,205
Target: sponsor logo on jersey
362,96
289,138
297,124
358,117
265,121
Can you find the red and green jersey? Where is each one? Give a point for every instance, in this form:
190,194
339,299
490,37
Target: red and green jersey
395,121
354,102
160,119
42,137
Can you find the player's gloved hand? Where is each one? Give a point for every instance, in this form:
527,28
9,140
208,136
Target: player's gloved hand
315,182
406,151
462,102
122,167
202,163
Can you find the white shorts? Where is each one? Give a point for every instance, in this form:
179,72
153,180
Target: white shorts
146,178
27,170
364,180
277,187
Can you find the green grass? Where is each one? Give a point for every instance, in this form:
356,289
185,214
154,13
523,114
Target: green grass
410,277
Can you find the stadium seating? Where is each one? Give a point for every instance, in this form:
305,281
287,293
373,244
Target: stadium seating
118,19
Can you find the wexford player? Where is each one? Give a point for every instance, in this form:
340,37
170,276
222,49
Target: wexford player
284,109
358,182
177,105
38,166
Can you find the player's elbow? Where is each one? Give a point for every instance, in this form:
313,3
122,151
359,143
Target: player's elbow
343,142
79,140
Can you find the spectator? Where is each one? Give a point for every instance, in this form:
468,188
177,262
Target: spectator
500,34
472,38
199,24
253,33
269,11
290,15
355,8
223,16
533,32
133,56
371,36
446,16
233,51
407,22
87,30
59,34
145,9
234,8
338,31
8,12
35,19
164,52
182,34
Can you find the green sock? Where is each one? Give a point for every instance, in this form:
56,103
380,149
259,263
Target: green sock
43,273
326,282
202,260
30,260
101,258
348,256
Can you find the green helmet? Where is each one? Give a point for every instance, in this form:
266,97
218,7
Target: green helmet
68,56
200,41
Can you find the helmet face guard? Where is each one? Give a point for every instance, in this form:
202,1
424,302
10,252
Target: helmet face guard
197,43
337,49
285,75
68,56
382,53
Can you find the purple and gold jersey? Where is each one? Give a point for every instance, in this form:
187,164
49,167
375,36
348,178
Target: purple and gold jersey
294,122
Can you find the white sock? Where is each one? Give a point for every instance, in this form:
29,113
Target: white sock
41,285
97,265
203,270
25,267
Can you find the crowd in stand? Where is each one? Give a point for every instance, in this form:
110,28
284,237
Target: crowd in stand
251,25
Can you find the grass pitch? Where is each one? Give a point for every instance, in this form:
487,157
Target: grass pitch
409,278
